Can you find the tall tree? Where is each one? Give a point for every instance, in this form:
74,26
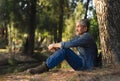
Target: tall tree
8,8
29,45
60,29
108,15
86,8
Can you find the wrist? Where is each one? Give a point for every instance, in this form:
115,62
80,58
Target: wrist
56,45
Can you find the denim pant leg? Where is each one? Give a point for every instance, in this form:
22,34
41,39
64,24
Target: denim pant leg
65,54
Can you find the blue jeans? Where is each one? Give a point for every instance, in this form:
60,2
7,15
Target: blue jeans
65,54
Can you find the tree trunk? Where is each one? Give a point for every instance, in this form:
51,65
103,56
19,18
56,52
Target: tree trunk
29,46
60,29
86,8
108,15
55,33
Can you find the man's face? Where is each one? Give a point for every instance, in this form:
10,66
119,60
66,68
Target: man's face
80,29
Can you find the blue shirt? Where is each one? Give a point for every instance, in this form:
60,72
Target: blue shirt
86,47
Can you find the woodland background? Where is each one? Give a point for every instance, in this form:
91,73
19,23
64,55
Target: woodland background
27,27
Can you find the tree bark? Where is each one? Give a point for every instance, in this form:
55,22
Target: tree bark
60,29
108,15
86,8
29,46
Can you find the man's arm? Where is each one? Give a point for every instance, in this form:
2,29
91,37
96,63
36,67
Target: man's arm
82,41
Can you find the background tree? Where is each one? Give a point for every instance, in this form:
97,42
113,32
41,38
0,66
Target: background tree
70,21
39,23
29,45
108,15
86,8
30,25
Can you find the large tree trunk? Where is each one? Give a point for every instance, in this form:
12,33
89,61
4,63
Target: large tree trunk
108,15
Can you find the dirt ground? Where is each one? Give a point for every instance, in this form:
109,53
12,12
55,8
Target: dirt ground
109,73
98,74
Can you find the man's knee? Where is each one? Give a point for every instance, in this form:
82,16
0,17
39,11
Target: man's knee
65,50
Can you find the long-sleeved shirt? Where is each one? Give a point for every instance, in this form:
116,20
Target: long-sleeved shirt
86,47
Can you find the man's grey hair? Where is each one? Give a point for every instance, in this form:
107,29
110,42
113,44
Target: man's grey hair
85,23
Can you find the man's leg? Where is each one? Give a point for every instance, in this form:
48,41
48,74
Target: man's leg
65,54
56,58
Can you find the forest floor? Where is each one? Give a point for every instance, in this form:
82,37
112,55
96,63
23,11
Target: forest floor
110,73
65,73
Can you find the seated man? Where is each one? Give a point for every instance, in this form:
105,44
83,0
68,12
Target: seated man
85,44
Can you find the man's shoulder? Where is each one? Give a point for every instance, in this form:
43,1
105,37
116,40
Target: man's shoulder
87,34
84,35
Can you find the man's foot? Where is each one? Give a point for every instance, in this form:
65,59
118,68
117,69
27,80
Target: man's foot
40,69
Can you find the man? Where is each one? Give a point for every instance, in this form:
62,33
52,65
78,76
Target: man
86,46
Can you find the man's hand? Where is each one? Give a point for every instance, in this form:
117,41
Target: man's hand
51,48
54,47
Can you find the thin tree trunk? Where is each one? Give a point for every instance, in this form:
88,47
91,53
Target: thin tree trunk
60,29
86,9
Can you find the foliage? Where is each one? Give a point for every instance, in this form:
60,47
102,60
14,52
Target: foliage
94,29
70,28
79,11
16,14
70,22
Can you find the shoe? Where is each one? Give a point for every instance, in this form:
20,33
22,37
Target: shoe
39,69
